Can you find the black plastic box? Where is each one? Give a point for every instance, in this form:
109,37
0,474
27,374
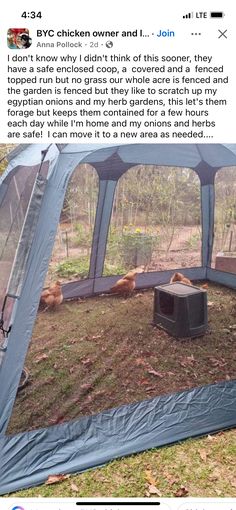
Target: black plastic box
180,309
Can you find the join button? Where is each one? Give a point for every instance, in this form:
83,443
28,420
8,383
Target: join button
165,33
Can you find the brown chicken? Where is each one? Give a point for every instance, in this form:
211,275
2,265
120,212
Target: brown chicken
126,285
52,296
179,277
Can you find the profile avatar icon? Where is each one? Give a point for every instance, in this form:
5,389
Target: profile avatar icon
18,38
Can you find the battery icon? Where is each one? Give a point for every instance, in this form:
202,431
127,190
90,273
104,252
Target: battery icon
217,14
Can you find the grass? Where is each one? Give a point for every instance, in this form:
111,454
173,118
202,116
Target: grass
95,341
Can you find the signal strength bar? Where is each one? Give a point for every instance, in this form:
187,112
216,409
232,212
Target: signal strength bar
188,15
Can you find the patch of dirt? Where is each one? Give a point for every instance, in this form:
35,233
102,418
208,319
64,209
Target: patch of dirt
174,259
98,353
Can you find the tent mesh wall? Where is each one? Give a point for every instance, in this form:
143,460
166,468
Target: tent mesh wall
71,254
156,220
16,193
225,218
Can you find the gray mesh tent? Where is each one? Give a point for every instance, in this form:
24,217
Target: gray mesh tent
32,192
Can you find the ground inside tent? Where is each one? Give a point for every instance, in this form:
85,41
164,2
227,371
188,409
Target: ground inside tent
101,352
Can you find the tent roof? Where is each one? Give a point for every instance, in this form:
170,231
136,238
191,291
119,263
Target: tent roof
185,155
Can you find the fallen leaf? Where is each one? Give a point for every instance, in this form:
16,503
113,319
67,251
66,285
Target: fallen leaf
210,303
203,454
233,482
59,419
217,362
56,479
181,492
147,354
191,357
144,381
99,393
170,478
153,490
49,380
41,358
74,487
86,362
210,438
86,386
151,388
149,477
154,372
172,481
187,361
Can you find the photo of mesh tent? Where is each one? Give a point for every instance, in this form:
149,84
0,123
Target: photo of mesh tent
125,186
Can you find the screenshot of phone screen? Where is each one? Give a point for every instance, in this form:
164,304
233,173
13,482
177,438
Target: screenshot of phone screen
117,232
